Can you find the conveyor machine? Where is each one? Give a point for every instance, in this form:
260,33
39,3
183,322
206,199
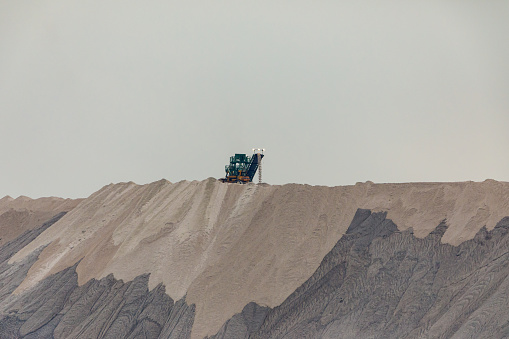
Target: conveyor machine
242,168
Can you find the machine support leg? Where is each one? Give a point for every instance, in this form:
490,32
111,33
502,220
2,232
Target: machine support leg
259,168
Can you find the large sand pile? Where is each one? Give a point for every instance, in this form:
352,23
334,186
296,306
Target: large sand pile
224,245
23,214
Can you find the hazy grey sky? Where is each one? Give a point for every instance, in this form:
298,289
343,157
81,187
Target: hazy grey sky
111,91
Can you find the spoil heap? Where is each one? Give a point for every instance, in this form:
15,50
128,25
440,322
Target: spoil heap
214,248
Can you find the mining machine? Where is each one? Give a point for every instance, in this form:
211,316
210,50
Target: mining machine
242,168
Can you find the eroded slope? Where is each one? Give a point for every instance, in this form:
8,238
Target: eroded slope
378,282
219,242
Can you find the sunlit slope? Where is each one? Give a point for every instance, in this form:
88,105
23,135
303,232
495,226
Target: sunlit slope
225,245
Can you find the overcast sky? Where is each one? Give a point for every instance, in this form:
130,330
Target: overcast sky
112,91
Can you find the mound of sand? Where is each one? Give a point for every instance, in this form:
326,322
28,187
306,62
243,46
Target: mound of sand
22,214
225,245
